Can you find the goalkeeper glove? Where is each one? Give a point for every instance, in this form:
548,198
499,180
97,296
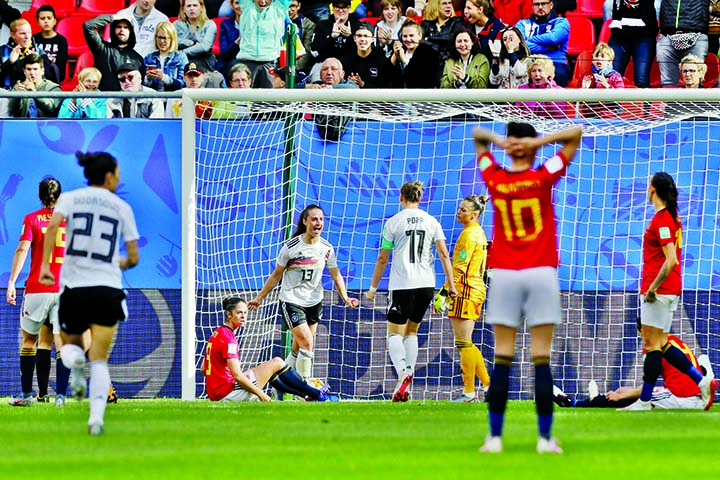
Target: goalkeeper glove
440,304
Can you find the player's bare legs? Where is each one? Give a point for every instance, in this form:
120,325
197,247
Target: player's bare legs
304,338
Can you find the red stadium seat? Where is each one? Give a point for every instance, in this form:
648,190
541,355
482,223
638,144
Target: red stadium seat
582,68
372,20
85,60
31,17
587,9
582,35
97,7
72,29
63,8
713,70
655,81
605,32
216,44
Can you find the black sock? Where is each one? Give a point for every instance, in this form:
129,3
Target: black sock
289,381
497,396
543,395
62,376
675,357
42,367
651,371
599,401
27,369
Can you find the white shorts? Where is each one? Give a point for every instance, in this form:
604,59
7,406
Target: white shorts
659,314
662,398
532,294
240,394
40,309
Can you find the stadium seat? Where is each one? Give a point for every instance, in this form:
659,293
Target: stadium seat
216,44
85,59
63,8
97,7
582,68
587,9
372,20
605,32
654,74
713,70
31,17
72,29
582,35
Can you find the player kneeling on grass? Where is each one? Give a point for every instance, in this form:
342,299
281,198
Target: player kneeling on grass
224,378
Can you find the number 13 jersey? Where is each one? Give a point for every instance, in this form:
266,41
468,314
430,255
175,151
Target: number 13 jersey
304,264
524,233
97,219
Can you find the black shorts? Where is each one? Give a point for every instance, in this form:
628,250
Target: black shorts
295,315
409,305
84,306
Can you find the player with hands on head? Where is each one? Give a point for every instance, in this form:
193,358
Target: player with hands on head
91,295
524,263
224,377
409,235
300,264
468,264
660,293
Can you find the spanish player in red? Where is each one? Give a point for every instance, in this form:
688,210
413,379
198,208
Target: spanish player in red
524,260
660,293
39,316
224,378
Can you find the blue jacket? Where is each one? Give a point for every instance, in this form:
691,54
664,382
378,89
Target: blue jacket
84,108
549,38
228,48
173,70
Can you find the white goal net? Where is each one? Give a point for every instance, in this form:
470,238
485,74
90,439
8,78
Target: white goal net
253,159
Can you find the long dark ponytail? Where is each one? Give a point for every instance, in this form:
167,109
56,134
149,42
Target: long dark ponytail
666,190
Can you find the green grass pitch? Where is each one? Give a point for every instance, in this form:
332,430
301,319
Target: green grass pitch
172,439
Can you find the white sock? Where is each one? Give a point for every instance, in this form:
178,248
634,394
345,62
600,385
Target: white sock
70,354
303,364
292,359
397,352
99,386
411,351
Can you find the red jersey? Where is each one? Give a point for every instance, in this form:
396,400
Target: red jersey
661,231
524,233
222,345
674,380
33,231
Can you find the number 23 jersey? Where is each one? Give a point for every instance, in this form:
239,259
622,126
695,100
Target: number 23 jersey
304,264
96,221
524,233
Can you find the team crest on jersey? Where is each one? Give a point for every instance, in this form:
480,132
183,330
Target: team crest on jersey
463,255
232,349
485,162
664,233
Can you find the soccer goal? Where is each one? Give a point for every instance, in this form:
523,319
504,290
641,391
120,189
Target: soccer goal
252,159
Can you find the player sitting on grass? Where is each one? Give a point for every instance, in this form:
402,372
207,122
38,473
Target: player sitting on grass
679,391
224,378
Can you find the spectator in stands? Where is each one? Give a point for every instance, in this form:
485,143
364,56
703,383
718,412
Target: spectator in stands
34,107
603,75
78,107
229,38
541,70
18,47
226,9
334,36
144,18
692,71
306,32
387,29
633,34
466,67
415,63
8,15
510,12
548,34
51,42
683,31
164,67
240,77
509,68
439,26
367,67
196,33
714,27
480,16
262,27
168,7
332,75
120,50
130,79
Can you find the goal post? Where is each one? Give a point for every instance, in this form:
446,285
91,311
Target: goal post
239,200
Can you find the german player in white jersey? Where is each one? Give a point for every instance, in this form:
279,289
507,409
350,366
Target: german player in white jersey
91,294
300,265
410,235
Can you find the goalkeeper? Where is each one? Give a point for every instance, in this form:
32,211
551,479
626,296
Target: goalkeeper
468,265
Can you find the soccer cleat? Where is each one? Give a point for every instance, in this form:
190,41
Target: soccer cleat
704,362
492,445
548,445
96,429
112,395
328,397
23,400
77,381
316,383
465,399
593,390
560,399
43,399
638,406
60,400
402,394
708,387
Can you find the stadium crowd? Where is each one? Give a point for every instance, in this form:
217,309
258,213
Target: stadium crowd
163,46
